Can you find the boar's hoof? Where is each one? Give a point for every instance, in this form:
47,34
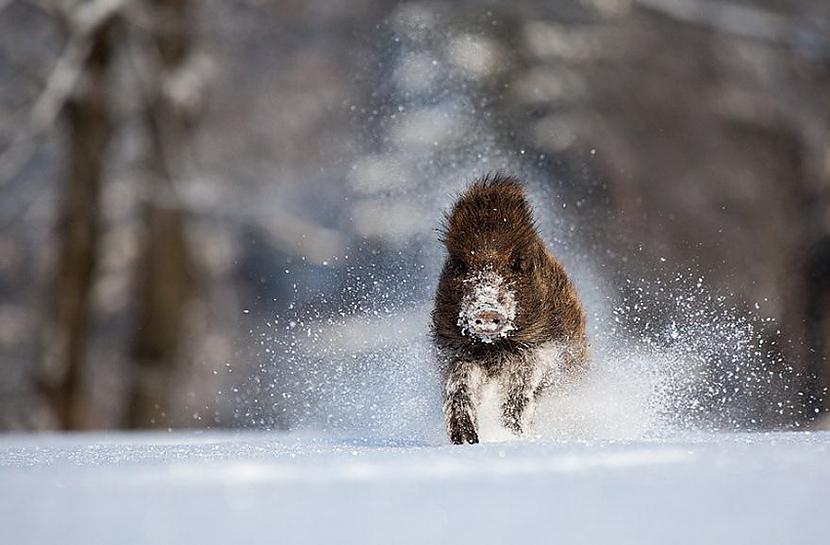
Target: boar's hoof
461,434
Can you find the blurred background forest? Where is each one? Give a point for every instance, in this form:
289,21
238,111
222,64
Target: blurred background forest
183,183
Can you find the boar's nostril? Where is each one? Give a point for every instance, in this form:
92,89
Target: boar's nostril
489,321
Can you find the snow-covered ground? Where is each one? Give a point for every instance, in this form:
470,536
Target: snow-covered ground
260,487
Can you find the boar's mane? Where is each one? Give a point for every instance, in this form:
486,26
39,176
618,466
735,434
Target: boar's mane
492,214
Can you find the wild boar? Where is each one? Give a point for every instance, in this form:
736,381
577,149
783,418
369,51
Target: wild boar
504,311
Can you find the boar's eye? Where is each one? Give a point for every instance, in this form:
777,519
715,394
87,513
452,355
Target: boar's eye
521,262
456,266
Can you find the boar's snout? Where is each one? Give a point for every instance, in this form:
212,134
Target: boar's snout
488,322
488,308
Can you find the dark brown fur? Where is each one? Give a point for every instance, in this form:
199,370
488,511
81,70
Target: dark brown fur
491,227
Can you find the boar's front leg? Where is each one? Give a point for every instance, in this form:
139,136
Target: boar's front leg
461,402
520,400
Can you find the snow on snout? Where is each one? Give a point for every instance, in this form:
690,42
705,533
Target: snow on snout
488,308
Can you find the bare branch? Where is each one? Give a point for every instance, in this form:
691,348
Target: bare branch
84,21
746,21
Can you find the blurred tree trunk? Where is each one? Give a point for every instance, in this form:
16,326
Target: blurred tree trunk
817,326
64,342
165,275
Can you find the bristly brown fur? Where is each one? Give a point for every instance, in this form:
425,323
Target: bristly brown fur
492,227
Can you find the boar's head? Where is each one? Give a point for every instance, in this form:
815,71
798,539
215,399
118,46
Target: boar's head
498,287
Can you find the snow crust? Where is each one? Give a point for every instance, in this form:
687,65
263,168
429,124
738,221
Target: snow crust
301,488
